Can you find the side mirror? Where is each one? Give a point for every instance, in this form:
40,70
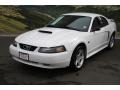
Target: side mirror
95,29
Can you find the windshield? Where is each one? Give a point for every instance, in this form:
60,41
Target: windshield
79,23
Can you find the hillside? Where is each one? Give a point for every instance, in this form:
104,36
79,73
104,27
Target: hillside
14,19
17,19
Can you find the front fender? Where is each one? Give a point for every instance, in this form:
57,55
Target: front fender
75,43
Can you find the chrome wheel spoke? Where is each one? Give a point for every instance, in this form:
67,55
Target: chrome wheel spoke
112,42
79,59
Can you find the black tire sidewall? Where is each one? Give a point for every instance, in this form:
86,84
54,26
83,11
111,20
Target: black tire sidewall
73,58
109,46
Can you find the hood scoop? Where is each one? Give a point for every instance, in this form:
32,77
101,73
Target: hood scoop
45,31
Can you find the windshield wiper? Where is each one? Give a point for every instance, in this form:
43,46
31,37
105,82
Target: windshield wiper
71,28
50,26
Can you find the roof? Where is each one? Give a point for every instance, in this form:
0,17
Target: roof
83,14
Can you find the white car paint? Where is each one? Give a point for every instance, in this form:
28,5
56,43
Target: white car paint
94,41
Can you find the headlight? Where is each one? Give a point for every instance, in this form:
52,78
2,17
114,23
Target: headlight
57,49
14,43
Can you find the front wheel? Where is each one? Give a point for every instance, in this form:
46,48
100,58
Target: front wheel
78,58
111,42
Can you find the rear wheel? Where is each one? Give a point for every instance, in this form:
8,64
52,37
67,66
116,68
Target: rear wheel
78,58
111,42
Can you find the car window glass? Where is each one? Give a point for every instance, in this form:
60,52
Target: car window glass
104,21
96,23
71,22
57,20
80,23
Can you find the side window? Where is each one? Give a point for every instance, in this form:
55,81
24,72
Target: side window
96,23
104,21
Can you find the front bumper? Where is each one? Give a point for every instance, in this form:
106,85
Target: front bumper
43,60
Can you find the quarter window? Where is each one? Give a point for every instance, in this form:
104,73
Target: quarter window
104,21
96,23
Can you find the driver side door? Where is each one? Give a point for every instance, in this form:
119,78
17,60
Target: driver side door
97,35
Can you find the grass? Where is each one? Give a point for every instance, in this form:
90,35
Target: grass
36,19
11,25
32,20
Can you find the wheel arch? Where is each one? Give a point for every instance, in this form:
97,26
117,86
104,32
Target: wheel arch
76,46
113,33
84,47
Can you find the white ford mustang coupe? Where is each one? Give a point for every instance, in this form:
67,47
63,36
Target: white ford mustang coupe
66,41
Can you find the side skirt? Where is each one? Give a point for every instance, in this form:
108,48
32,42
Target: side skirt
96,51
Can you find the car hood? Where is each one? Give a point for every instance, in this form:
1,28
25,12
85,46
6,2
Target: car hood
48,36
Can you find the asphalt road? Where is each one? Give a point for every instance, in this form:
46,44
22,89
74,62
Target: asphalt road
102,68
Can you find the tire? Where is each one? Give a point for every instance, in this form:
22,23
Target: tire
111,42
77,59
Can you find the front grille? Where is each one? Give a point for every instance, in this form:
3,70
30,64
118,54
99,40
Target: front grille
27,47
